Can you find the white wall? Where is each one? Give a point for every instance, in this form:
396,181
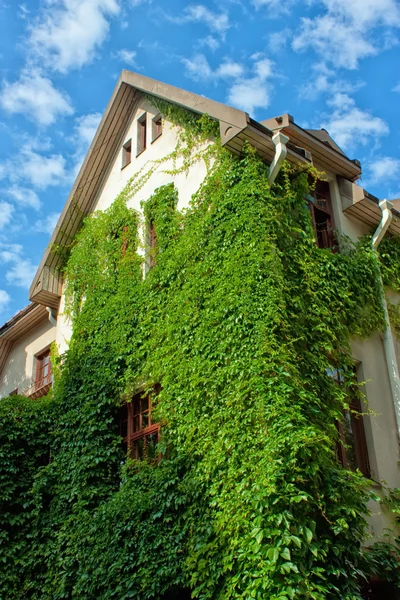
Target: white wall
20,368
117,177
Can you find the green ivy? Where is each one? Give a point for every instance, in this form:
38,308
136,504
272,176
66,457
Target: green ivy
239,321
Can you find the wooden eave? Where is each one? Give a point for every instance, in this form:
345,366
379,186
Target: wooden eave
28,318
363,206
324,156
235,128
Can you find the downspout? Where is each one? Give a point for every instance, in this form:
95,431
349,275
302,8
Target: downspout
52,318
388,341
280,140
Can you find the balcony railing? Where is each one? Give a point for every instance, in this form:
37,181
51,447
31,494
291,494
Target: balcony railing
39,388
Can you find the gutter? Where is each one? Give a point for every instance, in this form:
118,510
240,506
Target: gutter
280,140
388,341
52,318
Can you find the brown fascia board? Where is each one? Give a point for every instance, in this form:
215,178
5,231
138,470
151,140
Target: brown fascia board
332,155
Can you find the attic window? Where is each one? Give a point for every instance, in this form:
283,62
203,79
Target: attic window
156,128
141,134
126,153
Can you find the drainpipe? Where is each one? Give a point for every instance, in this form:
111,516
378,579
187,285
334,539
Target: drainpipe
52,318
388,341
280,140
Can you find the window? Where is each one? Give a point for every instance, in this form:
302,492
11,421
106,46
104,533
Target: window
141,134
320,206
156,128
43,378
126,153
352,448
138,431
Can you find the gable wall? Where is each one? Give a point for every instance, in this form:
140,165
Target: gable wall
20,368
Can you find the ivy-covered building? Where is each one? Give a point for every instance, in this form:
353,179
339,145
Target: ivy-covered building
226,404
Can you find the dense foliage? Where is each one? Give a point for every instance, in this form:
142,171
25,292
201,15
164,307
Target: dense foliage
239,320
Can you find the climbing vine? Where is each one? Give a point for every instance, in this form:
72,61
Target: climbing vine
239,321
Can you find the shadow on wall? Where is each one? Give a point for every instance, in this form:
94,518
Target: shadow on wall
379,590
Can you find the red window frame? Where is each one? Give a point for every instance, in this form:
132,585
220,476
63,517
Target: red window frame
139,432
43,370
320,205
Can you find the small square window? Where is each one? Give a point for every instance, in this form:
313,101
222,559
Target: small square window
141,134
126,153
156,128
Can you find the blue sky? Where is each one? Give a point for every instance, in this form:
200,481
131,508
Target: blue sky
329,64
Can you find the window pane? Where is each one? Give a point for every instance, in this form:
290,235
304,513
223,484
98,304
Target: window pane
145,420
145,403
136,423
151,443
349,441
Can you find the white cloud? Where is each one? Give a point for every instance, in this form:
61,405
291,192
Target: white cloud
127,56
337,41
198,68
210,42
21,271
383,169
4,300
6,213
253,92
24,196
350,126
84,132
35,96
42,171
343,34
86,127
322,81
47,225
68,32
396,88
198,13
367,12
278,40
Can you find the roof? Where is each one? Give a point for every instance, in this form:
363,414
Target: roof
325,152
25,320
236,127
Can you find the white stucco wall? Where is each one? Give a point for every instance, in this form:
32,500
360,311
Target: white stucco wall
20,368
118,177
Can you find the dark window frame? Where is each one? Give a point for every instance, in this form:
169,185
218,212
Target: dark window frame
156,127
43,372
355,422
320,206
141,134
126,153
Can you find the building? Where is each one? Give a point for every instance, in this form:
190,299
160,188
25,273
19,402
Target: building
132,136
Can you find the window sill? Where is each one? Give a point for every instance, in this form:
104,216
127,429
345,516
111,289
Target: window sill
156,138
141,152
127,165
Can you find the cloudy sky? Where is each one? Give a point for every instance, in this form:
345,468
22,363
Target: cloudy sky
331,64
